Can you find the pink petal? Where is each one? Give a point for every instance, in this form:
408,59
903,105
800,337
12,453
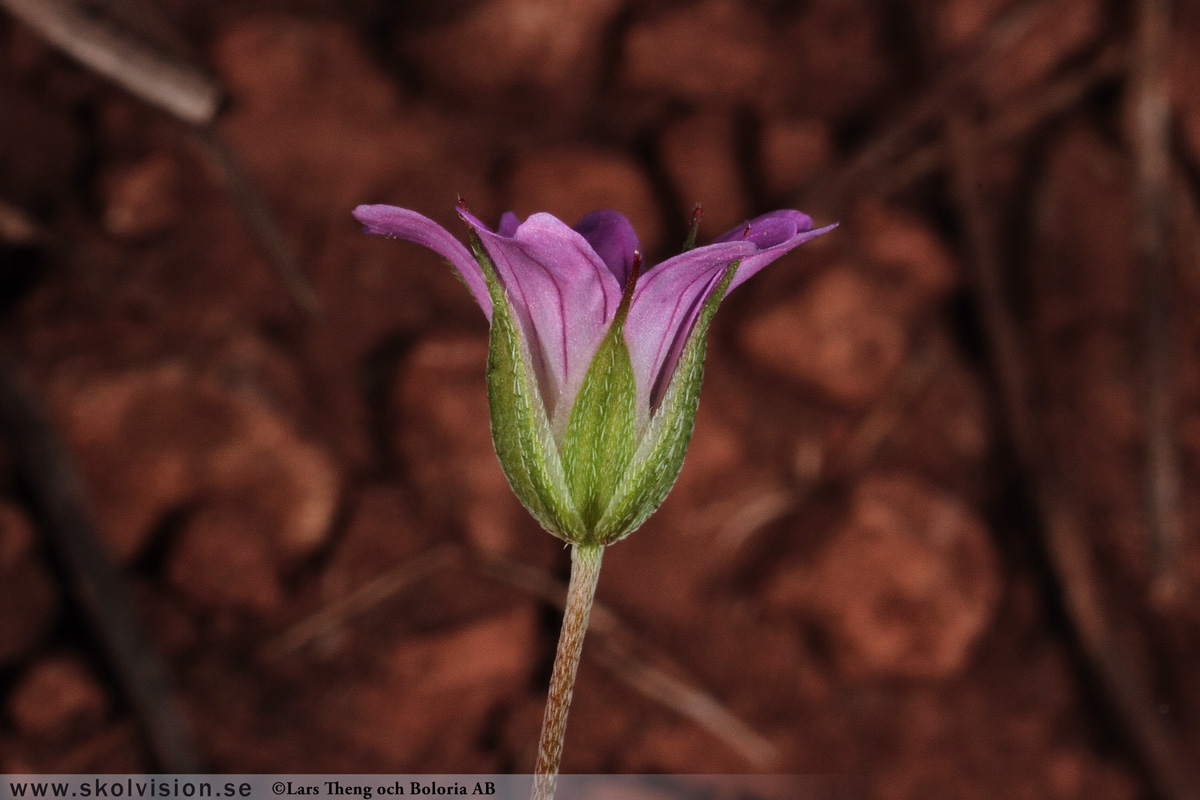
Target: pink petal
665,302
413,227
668,300
774,234
564,297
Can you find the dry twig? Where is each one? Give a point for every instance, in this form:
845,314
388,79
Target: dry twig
1069,549
729,524
887,415
168,82
1013,122
162,81
260,219
58,497
613,644
1009,30
616,648
335,616
1150,119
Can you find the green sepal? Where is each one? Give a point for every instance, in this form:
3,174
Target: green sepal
520,429
659,457
601,430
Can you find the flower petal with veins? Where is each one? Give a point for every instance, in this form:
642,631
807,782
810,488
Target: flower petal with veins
594,372
400,223
668,299
564,294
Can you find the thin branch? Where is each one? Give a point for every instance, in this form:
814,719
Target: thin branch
260,219
729,524
1009,30
613,644
58,498
164,82
886,416
1015,121
618,651
1069,550
168,82
335,616
1151,135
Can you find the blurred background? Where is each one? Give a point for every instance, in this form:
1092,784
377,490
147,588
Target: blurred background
937,526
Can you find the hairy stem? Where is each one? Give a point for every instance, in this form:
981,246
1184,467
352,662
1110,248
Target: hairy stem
585,571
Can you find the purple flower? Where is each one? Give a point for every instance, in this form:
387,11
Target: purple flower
594,366
565,285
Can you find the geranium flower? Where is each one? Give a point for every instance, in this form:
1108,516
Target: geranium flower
593,375
595,363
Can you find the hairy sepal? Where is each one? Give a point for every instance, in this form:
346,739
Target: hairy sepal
520,428
659,456
601,431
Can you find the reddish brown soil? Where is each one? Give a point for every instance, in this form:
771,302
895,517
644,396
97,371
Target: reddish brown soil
850,562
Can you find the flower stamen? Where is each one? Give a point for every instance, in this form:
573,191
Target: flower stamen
635,272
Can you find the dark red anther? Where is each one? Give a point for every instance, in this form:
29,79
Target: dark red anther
746,232
635,271
462,204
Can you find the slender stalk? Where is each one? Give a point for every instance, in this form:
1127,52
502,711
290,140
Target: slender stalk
153,75
585,571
